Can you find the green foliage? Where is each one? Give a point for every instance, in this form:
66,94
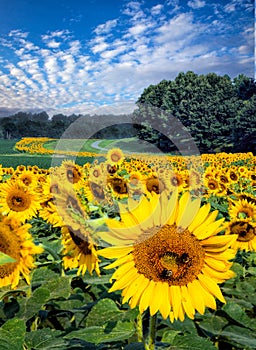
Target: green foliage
217,112
4,259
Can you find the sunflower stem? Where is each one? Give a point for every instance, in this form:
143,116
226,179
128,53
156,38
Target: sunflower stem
150,343
139,328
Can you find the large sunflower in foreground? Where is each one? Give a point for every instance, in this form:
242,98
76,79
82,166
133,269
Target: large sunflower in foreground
16,241
18,201
169,256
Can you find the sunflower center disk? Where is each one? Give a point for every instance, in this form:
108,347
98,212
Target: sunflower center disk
169,256
245,231
19,201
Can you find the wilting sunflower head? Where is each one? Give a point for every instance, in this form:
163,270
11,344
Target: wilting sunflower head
72,172
169,254
246,234
79,251
18,201
16,241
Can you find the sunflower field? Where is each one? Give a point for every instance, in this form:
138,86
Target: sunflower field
128,251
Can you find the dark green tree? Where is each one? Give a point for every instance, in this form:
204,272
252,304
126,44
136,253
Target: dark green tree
213,108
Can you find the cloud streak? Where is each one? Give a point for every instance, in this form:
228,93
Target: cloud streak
63,74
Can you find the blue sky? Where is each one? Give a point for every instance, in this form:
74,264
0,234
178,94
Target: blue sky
97,56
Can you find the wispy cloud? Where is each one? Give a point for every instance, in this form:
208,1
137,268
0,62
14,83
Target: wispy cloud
61,73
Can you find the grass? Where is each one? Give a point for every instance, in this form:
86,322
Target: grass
10,157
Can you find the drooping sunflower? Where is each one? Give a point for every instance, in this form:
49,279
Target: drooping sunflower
16,241
79,250
72,172
246,231
169,256
18,201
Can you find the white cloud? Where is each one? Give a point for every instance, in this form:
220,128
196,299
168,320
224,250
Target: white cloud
105,27
137,29
99,47
52,44
155,10
196,4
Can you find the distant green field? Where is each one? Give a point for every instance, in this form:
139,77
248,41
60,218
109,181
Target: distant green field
9,157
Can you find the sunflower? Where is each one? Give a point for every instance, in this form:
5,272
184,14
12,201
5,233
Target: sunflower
79,251
212,185
154,184
117,186
174,180
246,232
93,191
27,177
18,201
115,156
242,209
169,256
16,241
72,171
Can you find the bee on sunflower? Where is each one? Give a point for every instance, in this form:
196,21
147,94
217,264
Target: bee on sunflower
169,254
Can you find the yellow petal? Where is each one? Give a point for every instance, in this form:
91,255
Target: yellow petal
200,217
165,306
123,270
176,300
115,252
187,302
119,261
143,283
211,286
189,213
217,275
124,281
142,212
168,205
146,296
207,230
218,265
113,239
228,254
183,203
197,300
157,298
133,287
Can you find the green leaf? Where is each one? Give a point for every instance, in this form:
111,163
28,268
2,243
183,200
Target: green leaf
235,312
42,275
12,334
104,334
30,306
239,336
45,339
97,280
169,336
213,325
5,259
191,342
59,287
104,311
